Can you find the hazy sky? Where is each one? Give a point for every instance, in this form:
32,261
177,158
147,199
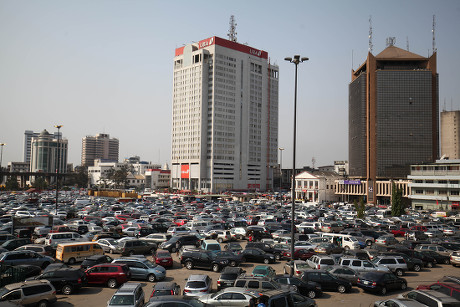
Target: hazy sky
106,66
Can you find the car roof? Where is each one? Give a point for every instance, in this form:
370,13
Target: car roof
128,287
26,283
165,285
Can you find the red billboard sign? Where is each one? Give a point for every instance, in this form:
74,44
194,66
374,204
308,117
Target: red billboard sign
185,171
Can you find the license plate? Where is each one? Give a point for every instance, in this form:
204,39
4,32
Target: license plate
164,260
366,282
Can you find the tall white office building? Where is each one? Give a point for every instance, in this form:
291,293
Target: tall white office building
225,117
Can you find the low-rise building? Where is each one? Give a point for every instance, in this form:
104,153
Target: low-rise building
316,186
436,185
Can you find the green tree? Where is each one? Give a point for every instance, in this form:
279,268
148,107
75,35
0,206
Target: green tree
78,178
396,201
360,208
119,177
40,183
11,184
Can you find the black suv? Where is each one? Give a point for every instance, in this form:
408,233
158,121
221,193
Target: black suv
257,255
95,259
66,281
266,248
327,281
15,243
228,276
176,242
203,260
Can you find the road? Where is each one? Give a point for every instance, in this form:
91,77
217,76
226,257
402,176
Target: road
97,296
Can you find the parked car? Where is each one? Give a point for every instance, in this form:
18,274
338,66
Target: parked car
129,294
202,259
232,296
438,257
110,274
165,288
38,248
327,281
320,261
381,282
344,273
163,258
198,285
109,245
143,269
263,271
233,259
298,265
174,300
261,284
37,292
228,276
395,263
434,298
95,259
25,257
15,243
310,288
257,255
66,281
399,302
176,242
135,247
455,258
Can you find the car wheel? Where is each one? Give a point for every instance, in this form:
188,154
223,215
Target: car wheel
189,265
42,304
447,261
220,240
417,268
429,265
72,261
399,272
66,289
284,271
311,294
215,267
152,278
112,283
173,249
294,288
368,243
403,286
233,263
266,261
347,248
110,251
383,291
341,289
277,257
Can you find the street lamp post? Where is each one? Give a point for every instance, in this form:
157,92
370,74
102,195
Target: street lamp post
57,169
1,158
281,167
296,61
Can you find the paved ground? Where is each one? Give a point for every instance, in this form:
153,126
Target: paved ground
97,296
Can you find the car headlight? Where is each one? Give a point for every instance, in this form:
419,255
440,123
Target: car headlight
271,257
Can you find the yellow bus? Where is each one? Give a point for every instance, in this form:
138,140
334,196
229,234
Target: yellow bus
78,251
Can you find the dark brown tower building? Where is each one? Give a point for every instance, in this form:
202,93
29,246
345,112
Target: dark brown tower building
393,115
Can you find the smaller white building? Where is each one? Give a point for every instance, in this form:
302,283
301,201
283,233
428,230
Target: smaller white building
317,186
156,179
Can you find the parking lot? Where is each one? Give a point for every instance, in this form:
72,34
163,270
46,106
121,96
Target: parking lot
98,296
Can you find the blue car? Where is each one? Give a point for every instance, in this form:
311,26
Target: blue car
143,269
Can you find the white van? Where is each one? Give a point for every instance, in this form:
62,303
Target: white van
346,241
63,237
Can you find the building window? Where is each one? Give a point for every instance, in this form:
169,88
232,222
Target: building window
454,193
418,191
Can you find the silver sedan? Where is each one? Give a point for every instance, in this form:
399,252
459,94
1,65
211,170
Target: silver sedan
232,296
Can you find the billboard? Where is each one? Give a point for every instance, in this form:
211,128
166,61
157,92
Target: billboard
185,171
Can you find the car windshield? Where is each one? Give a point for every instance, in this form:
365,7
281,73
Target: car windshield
162,292
3,291
121,300
112,241
196,284
214,247
261,271
302,266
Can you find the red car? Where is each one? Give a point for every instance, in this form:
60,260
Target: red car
123,217
419,228
302,254
163,258
108,274
401,232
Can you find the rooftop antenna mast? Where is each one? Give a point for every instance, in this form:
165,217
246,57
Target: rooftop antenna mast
407,43
433,32
232,31
370,34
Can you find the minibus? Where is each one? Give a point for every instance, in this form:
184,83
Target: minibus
78,251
